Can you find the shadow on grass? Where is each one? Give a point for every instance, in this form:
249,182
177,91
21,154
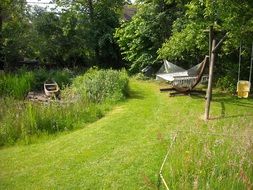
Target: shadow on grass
230,116
225,99
134,94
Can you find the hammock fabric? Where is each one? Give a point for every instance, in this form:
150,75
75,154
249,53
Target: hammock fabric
183,80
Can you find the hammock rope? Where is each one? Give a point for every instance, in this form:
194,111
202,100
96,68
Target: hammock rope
239,61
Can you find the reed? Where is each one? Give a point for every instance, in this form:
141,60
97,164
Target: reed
22,120
16,85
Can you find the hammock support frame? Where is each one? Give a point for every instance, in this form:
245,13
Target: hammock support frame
192,81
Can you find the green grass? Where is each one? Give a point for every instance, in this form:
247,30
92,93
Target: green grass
125,149
16,85
91,95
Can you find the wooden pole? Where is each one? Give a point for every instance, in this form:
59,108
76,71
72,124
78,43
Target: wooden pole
209,88
220,42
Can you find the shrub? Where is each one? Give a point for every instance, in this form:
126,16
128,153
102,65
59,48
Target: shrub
100,85
227,84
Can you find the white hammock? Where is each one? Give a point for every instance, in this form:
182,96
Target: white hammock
188,81
179,76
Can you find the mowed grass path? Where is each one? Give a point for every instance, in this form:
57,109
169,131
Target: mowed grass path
123,150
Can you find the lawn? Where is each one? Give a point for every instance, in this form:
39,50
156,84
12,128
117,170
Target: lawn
125,149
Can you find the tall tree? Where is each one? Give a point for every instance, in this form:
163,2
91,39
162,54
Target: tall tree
96,23
141,37
14,25
189,38
189,41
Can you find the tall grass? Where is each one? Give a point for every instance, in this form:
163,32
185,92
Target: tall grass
203,160
16,85
21,120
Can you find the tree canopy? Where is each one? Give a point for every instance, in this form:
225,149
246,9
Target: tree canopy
141,37
88,32
79,32
189,38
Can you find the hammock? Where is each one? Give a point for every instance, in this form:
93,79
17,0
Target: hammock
183,80
168,71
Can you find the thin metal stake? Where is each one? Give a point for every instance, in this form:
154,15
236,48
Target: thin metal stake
251,63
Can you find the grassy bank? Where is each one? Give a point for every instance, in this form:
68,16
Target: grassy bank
125,149
85,100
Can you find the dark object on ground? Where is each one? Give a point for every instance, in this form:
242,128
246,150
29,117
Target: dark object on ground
191,92
148,71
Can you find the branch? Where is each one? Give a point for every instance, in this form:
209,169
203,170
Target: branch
219,43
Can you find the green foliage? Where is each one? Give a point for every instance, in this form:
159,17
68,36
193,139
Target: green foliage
37,119
14,31
189,38
100,85
57,39
227,84
189,41
194,43
141,76
81,34
140,38
16,85
229,16
77,37
79,104
63,77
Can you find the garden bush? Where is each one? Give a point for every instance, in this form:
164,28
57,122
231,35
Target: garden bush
227,84
99,85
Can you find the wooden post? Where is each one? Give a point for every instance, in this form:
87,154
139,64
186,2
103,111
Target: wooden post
209,88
